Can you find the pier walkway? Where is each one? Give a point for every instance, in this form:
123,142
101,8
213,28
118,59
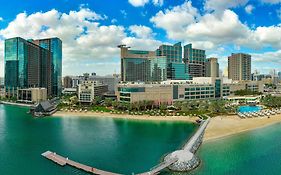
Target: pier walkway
180,157
62,161
158,168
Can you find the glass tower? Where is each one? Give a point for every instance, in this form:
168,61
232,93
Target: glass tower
55,46
195,59
25,66
177,71
173,53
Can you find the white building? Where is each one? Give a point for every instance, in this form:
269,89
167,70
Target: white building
88,90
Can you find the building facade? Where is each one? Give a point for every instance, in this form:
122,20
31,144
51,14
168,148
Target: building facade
88,90
26,65
67,82
170,91
54,45
32,95
212,67
239,67
195,59
142,66
173,53
177,71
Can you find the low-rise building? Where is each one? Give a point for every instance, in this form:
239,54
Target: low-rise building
88,90
169,91
32,95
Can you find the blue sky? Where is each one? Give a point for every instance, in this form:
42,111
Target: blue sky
91,29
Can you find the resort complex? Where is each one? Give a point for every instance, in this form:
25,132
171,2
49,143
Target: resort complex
141,87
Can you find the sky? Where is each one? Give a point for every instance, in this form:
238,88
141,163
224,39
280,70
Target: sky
92,29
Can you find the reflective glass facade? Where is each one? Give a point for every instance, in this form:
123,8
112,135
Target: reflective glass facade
55,46
173,53
177,71
195,59
144,69
25,65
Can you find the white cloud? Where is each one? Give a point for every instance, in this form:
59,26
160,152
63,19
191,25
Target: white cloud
141,31
172,20
249,9
84,39
158,2
214,29
138,3
271,1
221,5
141,3
1,19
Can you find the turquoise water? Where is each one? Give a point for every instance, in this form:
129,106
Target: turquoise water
256,152
244,109
116,145
126,146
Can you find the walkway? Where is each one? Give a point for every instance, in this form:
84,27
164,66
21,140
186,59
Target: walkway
62,161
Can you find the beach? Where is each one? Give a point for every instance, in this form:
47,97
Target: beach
126,116
219,127
223,126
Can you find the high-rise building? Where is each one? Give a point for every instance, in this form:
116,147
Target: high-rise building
173,53
212,67
55,46
177,71
195,59
67,82
144,66
239,67
26,65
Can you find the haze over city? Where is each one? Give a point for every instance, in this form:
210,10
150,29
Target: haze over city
91,30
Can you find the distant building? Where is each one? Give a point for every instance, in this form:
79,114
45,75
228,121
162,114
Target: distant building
239,67
26,65
175,90
173,53
54,45
32,95
177,71
88,90
1,82
212,67
195,59
110,81
144,66
67,82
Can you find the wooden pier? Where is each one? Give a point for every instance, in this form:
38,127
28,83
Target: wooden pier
62,161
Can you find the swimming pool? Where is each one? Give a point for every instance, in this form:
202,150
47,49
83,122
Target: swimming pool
244,109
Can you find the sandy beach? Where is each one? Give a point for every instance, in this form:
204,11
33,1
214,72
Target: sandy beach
223,126
219,127
126,116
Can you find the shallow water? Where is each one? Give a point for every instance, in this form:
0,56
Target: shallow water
111,144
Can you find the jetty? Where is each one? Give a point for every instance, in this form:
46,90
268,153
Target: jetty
184,159
62,161
179,160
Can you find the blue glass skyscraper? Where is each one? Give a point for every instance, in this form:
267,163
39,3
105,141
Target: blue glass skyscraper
55,46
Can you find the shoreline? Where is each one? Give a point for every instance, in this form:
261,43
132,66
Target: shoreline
126,116
15,104
226,126
219,127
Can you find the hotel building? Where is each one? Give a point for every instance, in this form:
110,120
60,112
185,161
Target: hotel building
54,45
212,67
239,67
26,65
195,59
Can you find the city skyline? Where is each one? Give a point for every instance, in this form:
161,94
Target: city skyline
91,30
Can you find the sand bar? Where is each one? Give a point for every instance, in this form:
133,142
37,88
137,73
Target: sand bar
126,116
223,126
